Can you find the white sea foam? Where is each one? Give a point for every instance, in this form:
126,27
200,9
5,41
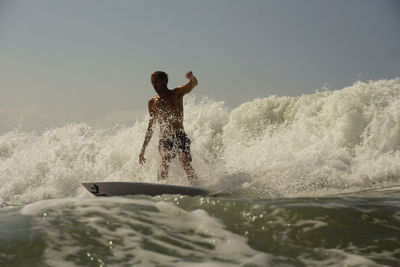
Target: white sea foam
338,258
142,232
322,143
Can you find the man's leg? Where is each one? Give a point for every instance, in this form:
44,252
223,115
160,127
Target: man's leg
185,159
165,159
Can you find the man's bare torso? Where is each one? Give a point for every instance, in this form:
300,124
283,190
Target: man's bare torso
167,110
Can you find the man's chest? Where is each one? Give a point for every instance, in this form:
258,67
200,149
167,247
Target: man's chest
167,104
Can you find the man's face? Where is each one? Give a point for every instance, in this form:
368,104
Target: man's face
158,84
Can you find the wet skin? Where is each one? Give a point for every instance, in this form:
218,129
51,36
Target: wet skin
166,109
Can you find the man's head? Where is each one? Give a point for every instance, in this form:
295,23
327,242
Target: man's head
159,80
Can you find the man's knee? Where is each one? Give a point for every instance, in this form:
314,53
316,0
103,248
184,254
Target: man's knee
165,156
185,158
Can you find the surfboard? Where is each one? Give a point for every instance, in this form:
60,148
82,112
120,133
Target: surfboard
134,188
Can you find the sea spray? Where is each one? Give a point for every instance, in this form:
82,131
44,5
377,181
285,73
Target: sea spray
324,143
318,143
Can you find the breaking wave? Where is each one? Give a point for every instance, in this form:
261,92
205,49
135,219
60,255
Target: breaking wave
329,142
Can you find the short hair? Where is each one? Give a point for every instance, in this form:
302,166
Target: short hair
160,74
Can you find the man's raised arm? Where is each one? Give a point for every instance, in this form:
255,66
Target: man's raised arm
184,89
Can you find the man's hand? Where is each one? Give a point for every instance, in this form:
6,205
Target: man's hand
184,89
192,79
142,159
189,75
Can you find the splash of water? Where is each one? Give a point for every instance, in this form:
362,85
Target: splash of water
312,145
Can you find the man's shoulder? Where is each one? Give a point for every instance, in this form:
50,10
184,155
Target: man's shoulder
177,92
151,102
154,98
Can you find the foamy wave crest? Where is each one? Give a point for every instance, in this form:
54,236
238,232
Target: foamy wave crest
312,145
330,141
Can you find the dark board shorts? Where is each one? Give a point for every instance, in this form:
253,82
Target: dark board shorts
178,143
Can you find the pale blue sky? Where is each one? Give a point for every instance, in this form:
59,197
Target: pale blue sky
95,57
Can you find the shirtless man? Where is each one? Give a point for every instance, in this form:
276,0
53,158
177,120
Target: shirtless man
166,108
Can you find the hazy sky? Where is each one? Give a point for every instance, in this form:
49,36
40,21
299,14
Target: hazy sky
95,57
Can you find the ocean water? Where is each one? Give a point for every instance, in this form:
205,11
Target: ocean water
307,181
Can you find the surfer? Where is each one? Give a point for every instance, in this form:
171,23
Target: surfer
166,108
